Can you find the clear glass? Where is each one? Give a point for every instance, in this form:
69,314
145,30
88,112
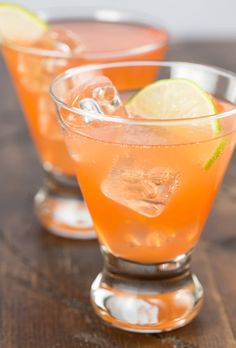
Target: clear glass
106,35
149,185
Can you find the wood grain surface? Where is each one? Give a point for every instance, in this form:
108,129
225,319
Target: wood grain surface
45,281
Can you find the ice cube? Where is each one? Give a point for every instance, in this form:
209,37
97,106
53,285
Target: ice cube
99,95
64,43
90,105
152,239
60,40
133,310
37,70
157,239
147,191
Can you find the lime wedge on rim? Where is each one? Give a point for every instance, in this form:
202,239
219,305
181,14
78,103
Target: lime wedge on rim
177,98
18,24
172,99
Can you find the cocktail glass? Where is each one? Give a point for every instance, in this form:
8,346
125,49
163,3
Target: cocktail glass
105,36
149,185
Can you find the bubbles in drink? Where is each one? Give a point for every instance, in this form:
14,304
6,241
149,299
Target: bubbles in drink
48,125
36,70
29,69
145,191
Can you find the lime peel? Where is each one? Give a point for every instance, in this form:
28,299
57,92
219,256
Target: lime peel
216,153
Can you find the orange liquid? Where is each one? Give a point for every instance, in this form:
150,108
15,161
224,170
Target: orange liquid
32,75
120,181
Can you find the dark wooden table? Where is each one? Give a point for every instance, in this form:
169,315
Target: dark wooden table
45,281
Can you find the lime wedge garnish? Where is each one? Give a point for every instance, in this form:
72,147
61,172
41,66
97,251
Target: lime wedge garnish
18,24
177,98
172,99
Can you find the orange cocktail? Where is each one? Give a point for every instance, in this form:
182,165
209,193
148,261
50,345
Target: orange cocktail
149,179
101,36
149,202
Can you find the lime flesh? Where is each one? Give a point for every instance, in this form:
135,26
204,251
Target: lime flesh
172,99
177,98
18,24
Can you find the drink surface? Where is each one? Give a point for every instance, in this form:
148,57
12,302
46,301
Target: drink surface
102,37
149,198
33,73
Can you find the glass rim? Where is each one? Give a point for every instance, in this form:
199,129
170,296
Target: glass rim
138,121
96,14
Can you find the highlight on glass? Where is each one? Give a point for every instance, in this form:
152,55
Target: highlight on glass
151,142
42,49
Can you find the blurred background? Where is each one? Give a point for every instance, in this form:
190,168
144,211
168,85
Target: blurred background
185,19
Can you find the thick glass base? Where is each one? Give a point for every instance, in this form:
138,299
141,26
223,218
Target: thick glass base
147,298
60,208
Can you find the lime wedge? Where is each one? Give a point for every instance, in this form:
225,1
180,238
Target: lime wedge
177,98
18,24
172,99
